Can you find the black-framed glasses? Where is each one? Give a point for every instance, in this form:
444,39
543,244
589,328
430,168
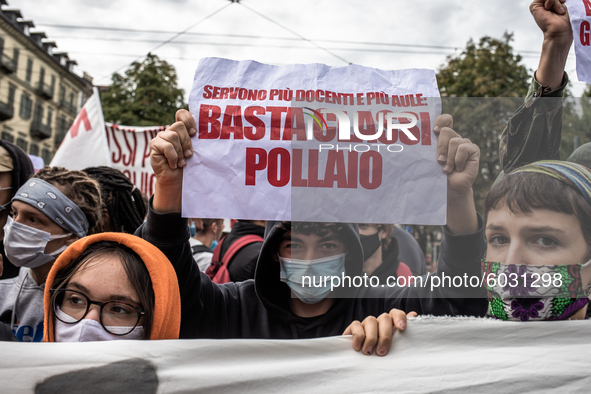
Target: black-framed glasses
116,317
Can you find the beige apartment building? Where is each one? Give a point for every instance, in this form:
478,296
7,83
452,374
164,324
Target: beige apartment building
39,94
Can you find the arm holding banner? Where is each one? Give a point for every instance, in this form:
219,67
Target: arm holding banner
534,132
463,245
167,230
168,153
376,333
553,19
460,159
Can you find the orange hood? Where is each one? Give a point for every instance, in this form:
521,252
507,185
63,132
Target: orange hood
166,319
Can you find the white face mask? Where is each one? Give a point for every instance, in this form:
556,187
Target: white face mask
88,330
25,245
292,271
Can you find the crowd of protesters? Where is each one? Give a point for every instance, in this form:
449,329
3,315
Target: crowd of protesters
84,258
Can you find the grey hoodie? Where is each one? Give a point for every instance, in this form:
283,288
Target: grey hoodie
28,321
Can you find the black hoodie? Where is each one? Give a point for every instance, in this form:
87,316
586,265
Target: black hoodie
259,308
22,170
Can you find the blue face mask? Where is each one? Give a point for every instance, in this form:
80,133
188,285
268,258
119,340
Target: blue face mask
214,244
293,271
193,229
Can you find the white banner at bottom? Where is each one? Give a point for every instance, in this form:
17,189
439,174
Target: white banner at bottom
434,355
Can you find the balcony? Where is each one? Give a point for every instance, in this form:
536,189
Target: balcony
45,90
6,111
39,130
7,64
68,107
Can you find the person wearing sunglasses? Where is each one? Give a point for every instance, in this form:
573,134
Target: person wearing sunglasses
111,286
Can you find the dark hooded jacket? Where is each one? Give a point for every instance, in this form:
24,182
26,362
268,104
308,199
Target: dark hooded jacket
22,170
259,308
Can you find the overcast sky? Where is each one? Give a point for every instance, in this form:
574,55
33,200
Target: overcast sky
439,23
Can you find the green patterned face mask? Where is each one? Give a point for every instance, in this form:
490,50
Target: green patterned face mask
534,292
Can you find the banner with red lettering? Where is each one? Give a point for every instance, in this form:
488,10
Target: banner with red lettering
85,144
129,148
580,18
314,143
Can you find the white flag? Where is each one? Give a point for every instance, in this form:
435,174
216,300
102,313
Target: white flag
129,148
85,144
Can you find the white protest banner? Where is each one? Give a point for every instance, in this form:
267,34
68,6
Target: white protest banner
580,18
85,144
314,143
451,355
130,153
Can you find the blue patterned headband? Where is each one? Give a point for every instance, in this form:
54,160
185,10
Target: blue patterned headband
571,174
54,204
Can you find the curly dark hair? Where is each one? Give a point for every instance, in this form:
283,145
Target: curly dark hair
122,200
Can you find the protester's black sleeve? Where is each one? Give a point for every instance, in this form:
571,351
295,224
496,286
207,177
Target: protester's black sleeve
207,310
460,257
534,132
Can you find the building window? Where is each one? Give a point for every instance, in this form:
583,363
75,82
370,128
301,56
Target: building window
29,70
61,125
71,98
62,98
34,150
11,94
22,143
26,106
38,117
52,87
15,55
41,76
46,155
62,129
49,116
6,136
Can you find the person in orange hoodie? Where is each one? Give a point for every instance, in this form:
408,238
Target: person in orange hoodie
111,286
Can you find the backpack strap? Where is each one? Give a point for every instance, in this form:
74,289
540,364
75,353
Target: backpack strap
237,245
200,249
404,270
218,270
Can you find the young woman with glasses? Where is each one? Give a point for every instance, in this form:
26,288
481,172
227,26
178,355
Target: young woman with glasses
111,286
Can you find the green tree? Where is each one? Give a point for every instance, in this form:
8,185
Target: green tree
146,95
576,122
487,69
481,88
